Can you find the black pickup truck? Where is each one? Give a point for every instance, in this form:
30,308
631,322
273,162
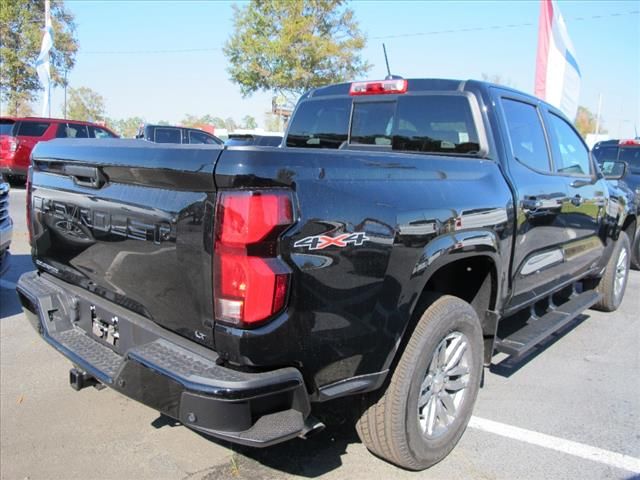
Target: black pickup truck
375,253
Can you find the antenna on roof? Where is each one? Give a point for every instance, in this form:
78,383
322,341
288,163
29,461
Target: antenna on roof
386,60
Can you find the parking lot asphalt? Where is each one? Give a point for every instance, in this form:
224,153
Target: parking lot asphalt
571,411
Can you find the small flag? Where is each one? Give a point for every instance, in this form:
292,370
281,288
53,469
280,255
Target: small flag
43,66
557,71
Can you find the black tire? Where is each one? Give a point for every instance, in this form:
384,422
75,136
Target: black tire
16,180
612,297
635,251
389,426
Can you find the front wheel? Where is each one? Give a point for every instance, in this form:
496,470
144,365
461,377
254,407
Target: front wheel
613,283
426,407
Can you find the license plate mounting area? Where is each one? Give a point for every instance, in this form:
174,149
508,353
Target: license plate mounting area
104,329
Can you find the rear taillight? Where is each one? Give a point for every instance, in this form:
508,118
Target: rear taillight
379,87
29,204
13,144
629,142
251,282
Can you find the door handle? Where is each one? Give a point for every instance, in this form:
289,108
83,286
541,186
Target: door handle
583,183
85,176
576,200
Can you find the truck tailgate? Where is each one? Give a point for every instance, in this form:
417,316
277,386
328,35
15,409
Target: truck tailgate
130,221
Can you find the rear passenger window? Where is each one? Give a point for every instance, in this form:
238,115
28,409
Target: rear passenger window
526,135
168,135
62,131
569,153
75,130
97,132
32,129
199,137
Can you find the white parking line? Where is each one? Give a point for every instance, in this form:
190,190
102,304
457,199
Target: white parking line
613,459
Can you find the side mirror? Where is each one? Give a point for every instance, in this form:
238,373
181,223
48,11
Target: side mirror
613,170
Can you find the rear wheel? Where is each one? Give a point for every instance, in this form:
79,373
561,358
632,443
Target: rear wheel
425,409
613,283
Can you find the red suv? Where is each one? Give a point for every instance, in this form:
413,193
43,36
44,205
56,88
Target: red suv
18,136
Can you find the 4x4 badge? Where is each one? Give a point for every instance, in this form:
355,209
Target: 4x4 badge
318,242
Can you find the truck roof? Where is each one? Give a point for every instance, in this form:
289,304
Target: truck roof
414,84
425,85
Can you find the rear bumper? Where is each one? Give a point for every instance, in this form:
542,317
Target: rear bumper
164,371
14,163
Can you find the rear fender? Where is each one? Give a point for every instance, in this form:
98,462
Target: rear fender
443,251
451,247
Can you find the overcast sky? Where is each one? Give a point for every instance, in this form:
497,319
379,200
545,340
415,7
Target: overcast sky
127,52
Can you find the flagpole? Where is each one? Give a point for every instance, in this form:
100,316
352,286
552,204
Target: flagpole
47,24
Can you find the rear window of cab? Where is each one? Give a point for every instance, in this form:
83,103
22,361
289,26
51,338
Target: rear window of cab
27,128
625,153
631,155
441,123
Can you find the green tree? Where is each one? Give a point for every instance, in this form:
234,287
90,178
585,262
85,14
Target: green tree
291,46
21,24
195,121
85,104
21,105
249,122
586,122
126,127
218,122
189,121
